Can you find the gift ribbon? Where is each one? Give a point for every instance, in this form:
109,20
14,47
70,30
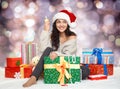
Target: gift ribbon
22,66
106,60
104,53
97,52
105,69
61,68
87,60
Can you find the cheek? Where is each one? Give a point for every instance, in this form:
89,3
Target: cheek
66,26
57,25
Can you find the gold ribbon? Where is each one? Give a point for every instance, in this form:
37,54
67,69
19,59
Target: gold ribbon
22,66
61,68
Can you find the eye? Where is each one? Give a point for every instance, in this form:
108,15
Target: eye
64,21
58,21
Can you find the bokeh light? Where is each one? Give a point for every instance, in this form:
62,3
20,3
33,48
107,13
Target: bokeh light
29,22
98,4
4,4
111,38
117,42
21,21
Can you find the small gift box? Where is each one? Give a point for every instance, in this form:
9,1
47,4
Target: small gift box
97,56
14,62
97,77
11,71
62,70
95,69
25,70
28,51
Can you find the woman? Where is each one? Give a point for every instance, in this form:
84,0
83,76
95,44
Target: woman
60,42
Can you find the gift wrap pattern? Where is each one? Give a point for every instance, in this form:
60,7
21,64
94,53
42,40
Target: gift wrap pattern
13,61
95,69
28,51
62,70
23,71
90,57
10,71
15,69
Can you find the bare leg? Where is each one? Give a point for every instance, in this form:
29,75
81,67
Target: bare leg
30,82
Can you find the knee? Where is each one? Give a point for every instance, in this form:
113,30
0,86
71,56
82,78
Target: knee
48,48
85,72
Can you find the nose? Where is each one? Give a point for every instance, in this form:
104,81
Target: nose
61,24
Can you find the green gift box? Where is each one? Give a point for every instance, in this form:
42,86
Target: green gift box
62,70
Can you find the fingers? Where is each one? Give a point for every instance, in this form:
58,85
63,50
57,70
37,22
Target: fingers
53,55
46,24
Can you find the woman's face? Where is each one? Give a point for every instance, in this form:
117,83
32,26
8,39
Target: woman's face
61,25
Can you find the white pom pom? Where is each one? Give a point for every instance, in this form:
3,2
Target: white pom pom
73,24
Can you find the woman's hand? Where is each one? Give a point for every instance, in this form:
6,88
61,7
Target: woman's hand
46,24
53,55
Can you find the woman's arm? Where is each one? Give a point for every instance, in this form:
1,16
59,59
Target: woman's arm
45,36
44,40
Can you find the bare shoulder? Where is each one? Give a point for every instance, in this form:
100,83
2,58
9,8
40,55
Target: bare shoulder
72,37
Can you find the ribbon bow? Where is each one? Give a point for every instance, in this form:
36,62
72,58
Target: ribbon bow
62,69
97,52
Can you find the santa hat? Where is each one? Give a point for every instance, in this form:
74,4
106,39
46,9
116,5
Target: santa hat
68,16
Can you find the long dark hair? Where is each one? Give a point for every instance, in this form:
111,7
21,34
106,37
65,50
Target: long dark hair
55,36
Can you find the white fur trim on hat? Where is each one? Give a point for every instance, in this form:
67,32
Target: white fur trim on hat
68,16
61,15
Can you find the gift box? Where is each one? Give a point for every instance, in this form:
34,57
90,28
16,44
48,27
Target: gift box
28,51
95,69
14,62
97,77
62,70
108,59
89,59
97,56
11,71
25,70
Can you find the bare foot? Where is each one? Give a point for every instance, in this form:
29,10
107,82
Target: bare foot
30,82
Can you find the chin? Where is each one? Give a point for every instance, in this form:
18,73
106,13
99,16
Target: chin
61,31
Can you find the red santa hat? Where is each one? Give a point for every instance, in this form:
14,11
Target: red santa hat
68,16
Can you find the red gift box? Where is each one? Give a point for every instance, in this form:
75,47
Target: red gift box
10,71
14,62
25,70
99,69
97,77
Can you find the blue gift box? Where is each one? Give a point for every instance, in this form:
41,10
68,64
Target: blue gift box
97,56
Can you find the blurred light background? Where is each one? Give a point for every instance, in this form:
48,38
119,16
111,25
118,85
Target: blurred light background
21,21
